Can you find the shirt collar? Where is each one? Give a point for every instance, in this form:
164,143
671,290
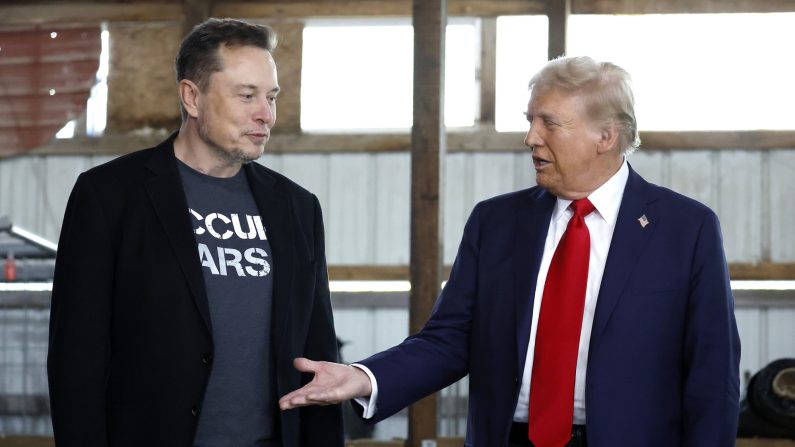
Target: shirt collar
606,198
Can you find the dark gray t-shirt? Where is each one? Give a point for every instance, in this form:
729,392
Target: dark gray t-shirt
239,408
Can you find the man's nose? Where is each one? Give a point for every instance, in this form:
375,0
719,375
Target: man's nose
532,138
266,112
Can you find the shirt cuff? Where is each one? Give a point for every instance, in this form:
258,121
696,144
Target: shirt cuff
368,403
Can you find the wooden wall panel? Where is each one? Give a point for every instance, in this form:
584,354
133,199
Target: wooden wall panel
457,202
61,174
492,174
355,327
782,205
308,170
652,166
780,334
22,183
96,160
524,174
349,226
391,328
740,200
365,196
694,175
272,161
392,209
749,326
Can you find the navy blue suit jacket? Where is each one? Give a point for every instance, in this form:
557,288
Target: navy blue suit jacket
663,365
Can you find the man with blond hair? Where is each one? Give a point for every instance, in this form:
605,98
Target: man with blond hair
592,309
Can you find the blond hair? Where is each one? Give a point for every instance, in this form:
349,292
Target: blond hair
605,87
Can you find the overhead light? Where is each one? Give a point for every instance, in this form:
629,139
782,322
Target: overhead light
763,285
25,287
369,286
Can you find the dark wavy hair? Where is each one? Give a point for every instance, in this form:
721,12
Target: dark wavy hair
198,58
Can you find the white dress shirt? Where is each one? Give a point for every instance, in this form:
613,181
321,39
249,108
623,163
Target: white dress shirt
601,223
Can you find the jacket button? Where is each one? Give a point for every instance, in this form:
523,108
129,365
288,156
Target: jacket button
207,359
195,410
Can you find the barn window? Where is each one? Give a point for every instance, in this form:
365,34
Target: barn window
690,71
358,76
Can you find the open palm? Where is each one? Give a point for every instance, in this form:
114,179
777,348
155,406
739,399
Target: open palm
332,384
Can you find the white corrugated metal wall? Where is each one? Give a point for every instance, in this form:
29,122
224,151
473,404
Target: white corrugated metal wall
365,199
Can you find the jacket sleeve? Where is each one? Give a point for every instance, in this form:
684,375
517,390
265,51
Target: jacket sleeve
321,426
438,355
712,346
79,347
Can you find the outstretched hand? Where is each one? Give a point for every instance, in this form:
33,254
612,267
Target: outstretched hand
332,384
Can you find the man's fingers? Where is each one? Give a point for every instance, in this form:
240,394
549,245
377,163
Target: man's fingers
303,397
293,400
305,365
331,385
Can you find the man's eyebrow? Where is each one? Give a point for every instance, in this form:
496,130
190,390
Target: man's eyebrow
543,115
276,89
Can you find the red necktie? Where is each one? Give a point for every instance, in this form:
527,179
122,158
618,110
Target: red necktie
558,334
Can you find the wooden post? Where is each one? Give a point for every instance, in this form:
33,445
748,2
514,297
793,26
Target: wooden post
558,13
428,143
289,58
194,13
488,71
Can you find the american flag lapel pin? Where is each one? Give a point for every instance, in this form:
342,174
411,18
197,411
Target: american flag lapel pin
643,221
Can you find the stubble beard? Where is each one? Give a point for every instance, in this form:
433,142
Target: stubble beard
232,155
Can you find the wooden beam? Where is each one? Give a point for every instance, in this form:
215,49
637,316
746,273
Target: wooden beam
88,12
680,6
762,271
288,55
368,273
457,141
558,13
194,13
737,271
487,71
745,139
41,12
395,8
429,18
105,145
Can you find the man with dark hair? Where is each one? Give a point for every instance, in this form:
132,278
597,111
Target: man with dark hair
188,277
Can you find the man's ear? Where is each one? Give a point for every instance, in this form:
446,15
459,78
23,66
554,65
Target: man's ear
190,96
608,138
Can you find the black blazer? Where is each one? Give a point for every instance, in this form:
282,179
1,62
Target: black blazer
130,343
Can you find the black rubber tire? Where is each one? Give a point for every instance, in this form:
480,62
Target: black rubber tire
765,402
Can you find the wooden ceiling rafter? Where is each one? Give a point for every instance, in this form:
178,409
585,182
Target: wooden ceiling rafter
43,12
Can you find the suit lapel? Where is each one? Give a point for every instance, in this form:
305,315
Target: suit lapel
532,224
275,208
629,240
168,199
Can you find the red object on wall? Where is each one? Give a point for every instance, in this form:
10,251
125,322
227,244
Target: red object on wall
46,75
11,268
